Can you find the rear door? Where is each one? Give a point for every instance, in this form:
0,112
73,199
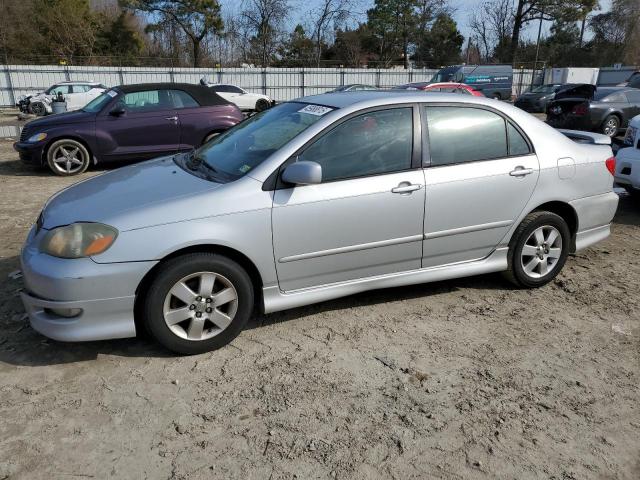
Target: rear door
480,172
149,127
633,97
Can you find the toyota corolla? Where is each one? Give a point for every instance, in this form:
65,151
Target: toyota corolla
311,200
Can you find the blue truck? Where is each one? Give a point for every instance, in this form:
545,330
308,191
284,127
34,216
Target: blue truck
494,81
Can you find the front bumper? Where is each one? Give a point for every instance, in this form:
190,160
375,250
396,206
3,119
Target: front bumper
628,168
103,294
30,153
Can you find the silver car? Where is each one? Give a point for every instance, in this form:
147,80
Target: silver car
311,200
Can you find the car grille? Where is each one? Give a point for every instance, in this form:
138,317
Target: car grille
24,134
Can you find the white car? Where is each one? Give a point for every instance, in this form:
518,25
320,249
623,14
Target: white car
628,159
245,101
76,94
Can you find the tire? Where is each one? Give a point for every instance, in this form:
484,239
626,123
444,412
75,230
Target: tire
211,136
76,160
610,126
261,105
38,109
193,323
536,270
633,193
496,96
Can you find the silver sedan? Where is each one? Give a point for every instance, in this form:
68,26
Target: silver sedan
315,199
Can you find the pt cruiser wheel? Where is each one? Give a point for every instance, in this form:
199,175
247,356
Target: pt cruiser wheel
198,302
538,249
67,157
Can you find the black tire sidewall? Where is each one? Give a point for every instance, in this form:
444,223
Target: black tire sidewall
261,105
85,154
180,267
541,219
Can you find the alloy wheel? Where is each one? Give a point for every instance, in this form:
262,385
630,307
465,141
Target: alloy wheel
611,127
68,159
200,306
541,252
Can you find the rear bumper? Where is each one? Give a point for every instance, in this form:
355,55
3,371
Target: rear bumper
30,153
628,168
595,214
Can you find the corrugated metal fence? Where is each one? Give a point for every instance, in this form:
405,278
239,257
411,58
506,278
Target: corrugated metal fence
279,83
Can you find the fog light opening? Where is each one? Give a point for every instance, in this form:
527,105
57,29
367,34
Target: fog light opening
64,312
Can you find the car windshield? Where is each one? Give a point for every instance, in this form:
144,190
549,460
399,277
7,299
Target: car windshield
100,101
543,89
245,146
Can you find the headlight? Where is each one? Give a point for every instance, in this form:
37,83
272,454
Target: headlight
38,137
78,240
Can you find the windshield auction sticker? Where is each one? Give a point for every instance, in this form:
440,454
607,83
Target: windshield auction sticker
317,110
112,93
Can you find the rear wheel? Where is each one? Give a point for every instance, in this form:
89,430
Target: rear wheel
68,157
198,302
538,249
496,96
261,105
611,125
211,136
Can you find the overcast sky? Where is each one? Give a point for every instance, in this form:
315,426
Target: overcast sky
463,9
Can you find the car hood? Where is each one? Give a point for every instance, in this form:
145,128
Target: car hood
137,196
77,116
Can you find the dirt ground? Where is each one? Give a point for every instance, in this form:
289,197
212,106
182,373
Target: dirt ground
460,379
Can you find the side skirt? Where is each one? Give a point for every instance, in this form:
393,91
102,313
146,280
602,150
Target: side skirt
276,300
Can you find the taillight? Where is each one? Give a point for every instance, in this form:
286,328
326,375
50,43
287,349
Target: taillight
611,165
580,109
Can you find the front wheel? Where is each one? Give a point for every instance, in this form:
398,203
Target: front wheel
538,249
198,302
38,109
68,157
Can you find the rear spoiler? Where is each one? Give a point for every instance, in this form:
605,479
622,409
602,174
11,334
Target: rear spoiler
586,137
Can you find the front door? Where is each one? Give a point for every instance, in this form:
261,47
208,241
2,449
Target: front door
366,216
481,173
149,127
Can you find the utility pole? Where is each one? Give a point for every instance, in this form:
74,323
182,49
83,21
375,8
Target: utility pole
535,63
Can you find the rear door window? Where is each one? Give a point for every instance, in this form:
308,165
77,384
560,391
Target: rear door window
182,99
147,100
465,134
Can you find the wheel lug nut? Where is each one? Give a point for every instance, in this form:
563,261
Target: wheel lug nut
198,314
192,307
198,298
208,300
209,310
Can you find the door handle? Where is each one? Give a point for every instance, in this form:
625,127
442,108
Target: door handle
172,119
406,187
520,171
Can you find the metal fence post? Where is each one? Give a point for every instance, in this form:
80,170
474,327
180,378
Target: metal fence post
342,77
378,78
264,81
302,82
12,94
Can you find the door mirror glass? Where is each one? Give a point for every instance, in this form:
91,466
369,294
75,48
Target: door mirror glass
117,110
303,173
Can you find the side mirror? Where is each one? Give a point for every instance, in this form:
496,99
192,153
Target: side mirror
303,173
117,110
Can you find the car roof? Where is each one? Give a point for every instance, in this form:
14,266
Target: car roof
372,98
204,95
78,82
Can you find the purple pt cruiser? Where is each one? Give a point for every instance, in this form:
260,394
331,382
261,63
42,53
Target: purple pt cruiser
129,122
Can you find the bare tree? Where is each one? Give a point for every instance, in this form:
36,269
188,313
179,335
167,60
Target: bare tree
492,24
263,22
326,15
